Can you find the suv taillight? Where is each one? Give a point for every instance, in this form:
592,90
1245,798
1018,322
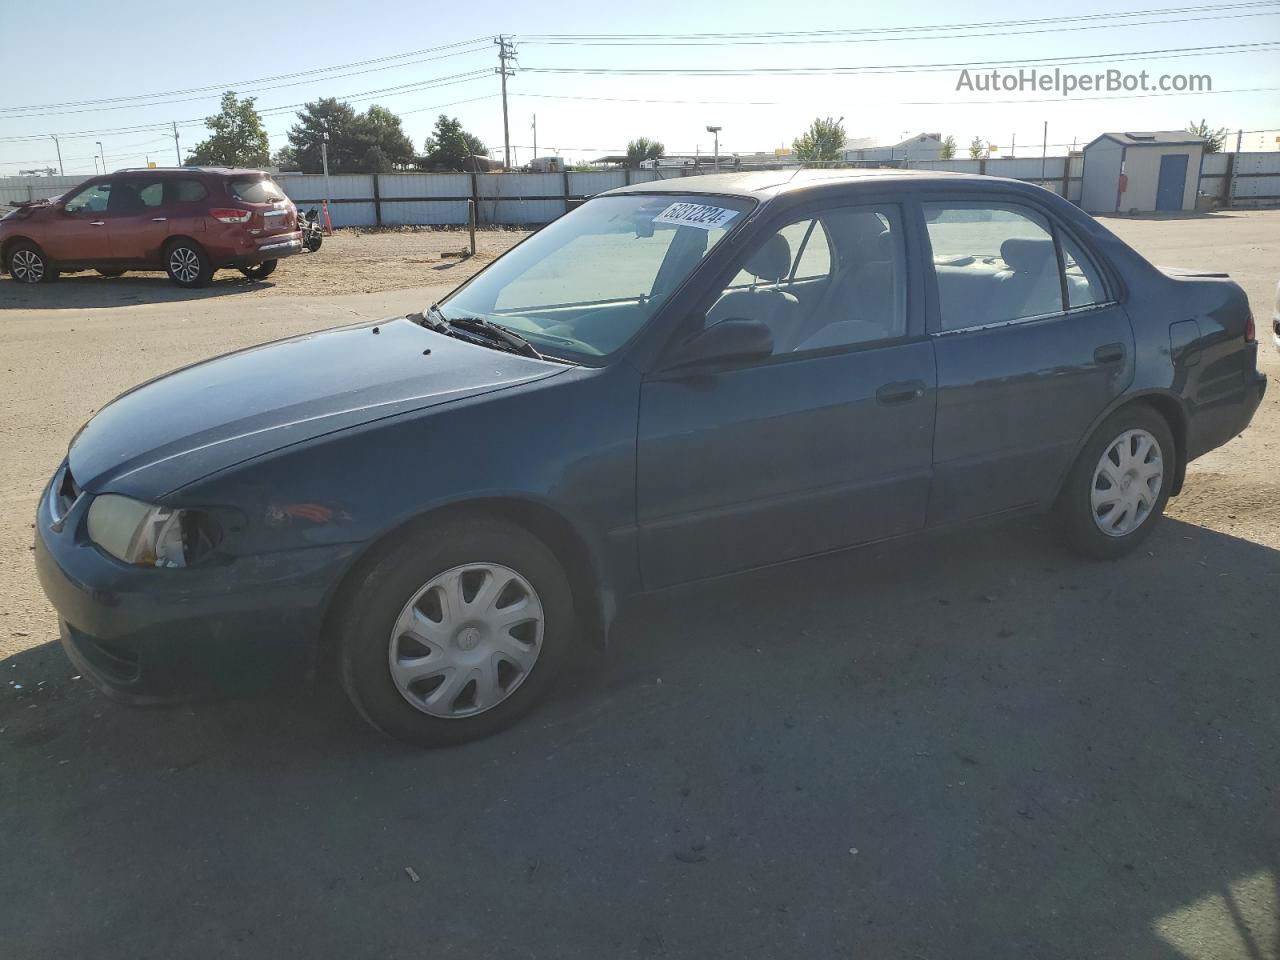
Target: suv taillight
1250,330
230,215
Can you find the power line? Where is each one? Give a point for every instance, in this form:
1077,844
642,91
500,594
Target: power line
283,76
773,41
1167,53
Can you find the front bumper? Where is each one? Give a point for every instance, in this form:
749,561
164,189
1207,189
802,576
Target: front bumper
146,635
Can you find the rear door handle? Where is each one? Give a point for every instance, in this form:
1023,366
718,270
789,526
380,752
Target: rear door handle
900,391
96,223
159,219
1109,353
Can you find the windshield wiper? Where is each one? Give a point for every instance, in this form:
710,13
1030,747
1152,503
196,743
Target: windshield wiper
496,332
433,319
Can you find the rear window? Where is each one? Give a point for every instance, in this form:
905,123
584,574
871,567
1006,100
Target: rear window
255,190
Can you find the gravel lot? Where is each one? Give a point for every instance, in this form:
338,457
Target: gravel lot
967,746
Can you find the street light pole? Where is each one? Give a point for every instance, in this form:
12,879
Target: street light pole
57,146
102,154
715,161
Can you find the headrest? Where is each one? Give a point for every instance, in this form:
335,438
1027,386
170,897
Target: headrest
1027,254
772,262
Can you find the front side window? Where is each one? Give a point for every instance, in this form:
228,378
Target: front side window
92,199
831,280
993,263
586,283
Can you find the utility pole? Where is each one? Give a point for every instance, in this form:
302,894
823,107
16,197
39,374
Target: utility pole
177,148
57,146
324,163
506,53
103,154
1044,149
1013,145
715,162
1239,139
535,136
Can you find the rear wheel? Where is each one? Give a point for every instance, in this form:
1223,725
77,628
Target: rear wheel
187,264
1119,485
27,264
111,274
260,271
455,632
313,241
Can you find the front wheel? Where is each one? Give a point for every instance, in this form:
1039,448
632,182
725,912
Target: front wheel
27,264
1119,485
260,271
187,264
456,631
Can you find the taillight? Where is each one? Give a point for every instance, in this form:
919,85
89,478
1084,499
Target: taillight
230,215
1250,331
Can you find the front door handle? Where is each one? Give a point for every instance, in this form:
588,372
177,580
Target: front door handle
97,223
901,391
1109,353
159,219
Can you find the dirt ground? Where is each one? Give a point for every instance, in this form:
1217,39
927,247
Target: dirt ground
970,746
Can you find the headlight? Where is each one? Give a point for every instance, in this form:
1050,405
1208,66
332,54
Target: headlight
148,535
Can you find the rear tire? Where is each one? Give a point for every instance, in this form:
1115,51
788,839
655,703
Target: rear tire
260,271
427,663
1119,485
187,264
27,264
313,241
111,274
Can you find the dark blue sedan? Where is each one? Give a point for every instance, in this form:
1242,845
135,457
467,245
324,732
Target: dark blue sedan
675,381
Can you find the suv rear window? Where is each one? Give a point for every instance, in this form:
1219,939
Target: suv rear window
255,190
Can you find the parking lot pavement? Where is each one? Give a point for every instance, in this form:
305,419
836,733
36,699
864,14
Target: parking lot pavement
966,746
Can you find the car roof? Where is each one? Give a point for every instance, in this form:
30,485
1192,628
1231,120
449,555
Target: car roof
761,184
178,171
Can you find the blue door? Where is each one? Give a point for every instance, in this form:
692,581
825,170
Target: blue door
1172,183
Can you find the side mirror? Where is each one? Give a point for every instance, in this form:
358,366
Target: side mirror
733,339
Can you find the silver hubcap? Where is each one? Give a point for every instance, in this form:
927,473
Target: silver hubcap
466,640
1126,483
27,266
184,263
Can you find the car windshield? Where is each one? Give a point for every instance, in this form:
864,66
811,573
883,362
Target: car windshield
583,285
256,190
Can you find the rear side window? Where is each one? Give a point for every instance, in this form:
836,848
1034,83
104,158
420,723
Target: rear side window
188,191
255,190
1083,283
993,263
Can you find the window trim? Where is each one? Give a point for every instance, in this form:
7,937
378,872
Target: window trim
934,321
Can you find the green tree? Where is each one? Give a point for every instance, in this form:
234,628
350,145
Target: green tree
449,144
948,148
641,149
823,141
977,149
236,136
1214,139
368,142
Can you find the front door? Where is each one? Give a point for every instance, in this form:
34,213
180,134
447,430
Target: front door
77,233
824,444
1021,374
1172,185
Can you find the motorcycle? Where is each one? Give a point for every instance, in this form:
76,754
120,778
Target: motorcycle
312,232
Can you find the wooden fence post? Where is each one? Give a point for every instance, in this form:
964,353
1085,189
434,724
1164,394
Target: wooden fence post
1224,195
377,202
475,194
471,220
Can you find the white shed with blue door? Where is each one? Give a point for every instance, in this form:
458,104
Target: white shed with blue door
1141,172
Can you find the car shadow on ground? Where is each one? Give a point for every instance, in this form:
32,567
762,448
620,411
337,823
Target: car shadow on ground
78,291
968,746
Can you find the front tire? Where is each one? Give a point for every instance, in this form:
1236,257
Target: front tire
28,264
455,631
187,264
1119,485
260,271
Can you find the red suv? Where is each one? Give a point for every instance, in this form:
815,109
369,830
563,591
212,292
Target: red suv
187,221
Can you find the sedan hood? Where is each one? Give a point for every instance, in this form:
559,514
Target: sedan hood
195,421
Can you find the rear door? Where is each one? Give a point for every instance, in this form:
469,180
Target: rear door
273,214
1031,347
186,204
77,232
136,222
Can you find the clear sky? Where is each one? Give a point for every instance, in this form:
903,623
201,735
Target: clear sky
60,51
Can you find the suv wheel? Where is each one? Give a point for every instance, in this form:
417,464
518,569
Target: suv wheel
1119,485
455,632
27,264
187,264
260,271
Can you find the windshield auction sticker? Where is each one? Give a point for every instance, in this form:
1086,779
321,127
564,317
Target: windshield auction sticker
699,215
